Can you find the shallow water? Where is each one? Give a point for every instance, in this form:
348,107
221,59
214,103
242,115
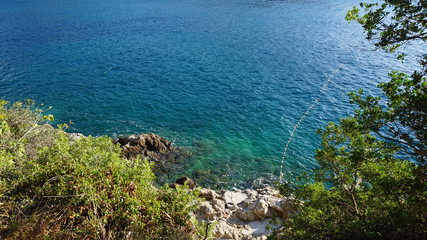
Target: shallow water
226,79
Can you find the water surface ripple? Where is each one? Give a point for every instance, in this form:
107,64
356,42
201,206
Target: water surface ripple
228,79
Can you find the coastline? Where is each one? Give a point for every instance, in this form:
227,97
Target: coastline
171,162
240,214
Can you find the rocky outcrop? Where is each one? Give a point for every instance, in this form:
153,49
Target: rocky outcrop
75,136
166,157
149,146
242,214
184,180
238,214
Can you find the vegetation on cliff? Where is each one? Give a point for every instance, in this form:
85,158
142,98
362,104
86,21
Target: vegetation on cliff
370,183
371,179
52,187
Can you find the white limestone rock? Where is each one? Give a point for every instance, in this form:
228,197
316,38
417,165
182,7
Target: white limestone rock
208,194
244,214
207,211
218,204
234,197
225,231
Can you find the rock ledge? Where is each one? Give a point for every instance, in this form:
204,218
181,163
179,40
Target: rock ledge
242,214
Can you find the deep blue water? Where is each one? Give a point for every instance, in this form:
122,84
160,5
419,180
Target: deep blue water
227,79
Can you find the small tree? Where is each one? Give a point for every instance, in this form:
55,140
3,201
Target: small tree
371,179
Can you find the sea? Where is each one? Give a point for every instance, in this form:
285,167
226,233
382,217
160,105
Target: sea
225,80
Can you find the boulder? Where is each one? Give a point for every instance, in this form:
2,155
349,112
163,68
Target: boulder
149,146
260,209
207,211
208,194
255,210
245,214
257,229
223,230
268,190
181,181
234,197
218,205
252,194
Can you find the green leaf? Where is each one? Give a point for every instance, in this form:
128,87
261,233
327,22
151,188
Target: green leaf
48,118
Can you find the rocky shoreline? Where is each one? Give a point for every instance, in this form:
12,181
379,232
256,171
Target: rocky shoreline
238,214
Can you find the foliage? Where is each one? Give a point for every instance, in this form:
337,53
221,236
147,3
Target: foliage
359,191
392,23
403,120
371,179
55,188
204,230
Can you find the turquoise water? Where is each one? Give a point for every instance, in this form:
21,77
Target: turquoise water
226,79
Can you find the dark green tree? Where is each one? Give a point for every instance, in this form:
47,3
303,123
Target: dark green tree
403,120
371,179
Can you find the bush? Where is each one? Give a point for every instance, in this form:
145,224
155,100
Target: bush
371,179
55,188
359,191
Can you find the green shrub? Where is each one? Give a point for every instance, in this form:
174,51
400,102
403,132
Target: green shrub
371,178
359,191
54,188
